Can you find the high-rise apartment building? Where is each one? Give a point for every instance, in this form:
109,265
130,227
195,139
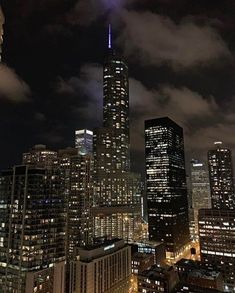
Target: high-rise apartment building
77,187
76,170
84,141
32,232
221,177
116,190
200,188
2,20
166,184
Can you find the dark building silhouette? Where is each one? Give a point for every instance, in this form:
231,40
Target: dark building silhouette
166,184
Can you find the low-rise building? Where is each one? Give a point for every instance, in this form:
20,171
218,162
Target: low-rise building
181,287
157,280
196,274
157,249
141,262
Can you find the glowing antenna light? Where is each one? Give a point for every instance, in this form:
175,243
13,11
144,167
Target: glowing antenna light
110,36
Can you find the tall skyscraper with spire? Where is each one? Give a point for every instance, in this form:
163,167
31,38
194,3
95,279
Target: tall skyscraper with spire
116,104
116,189
2,20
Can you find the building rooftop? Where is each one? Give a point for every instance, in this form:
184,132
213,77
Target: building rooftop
101,249
140,256
156,272
204,274
147,243
194,289
163,121
101,243
188,263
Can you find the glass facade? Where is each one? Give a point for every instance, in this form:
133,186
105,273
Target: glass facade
166,184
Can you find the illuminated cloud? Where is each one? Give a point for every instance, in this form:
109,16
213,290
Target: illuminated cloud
193,111
154,39
12,87
88,90
85,12
183,105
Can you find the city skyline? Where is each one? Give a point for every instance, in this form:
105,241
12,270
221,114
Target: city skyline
64,49
117,146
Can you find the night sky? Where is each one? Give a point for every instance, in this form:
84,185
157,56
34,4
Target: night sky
181,56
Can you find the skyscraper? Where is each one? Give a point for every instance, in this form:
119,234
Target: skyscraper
76,172
84,141
40,156
217,225
2,20
200,187
166,184
221,177
32,232
114,190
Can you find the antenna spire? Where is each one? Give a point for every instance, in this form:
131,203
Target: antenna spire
110,37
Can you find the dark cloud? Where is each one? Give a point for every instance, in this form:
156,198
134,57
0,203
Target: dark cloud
85,12
40,117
